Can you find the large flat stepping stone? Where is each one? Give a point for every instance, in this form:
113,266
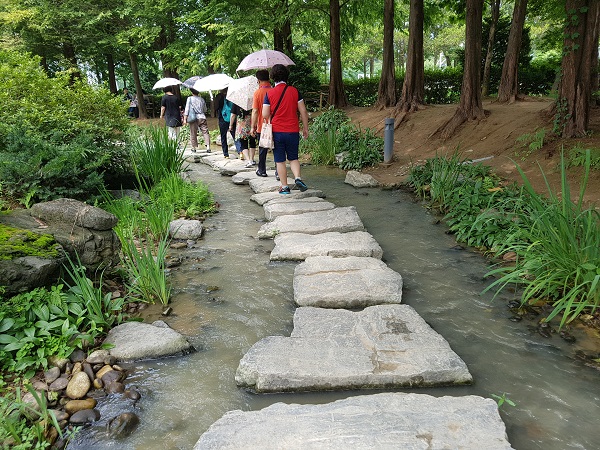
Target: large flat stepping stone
265,197
385,346
380,421
299,246
260,185
274,209
245,177
343,220
351,282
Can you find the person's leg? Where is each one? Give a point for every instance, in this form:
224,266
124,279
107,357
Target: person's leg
172,134
223,129
203,126
293,143
194,135
262,158
279,155
252,148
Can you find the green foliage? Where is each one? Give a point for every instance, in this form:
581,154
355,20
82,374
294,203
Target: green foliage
502,399
303,76
190,200
533,142
15,243
56,138
365,150
578,154
363,92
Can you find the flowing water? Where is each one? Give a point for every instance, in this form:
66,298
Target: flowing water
227,296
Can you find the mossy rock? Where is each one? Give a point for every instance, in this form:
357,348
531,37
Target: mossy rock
15,243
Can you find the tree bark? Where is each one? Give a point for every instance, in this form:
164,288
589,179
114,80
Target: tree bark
572,107
413,88
112,79
487,68
138,85
282,34
386,96
509,85
337,95
470,106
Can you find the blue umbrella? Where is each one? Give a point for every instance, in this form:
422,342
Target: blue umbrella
189,83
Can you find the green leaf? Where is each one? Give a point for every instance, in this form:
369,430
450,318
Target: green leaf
7,339
6,324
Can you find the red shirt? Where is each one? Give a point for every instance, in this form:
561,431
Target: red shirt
286,116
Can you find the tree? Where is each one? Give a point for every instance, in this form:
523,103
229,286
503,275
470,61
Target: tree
337,95
509,86
470,106
572,107
487,67
413,89
386,95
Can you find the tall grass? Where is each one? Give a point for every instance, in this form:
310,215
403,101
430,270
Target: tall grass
558,248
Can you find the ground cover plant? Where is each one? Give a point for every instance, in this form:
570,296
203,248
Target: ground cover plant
555,240
333,139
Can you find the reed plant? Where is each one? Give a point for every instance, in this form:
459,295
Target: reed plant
558,248
144,263
191,200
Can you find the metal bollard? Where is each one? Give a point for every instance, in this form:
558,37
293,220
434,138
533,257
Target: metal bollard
388,139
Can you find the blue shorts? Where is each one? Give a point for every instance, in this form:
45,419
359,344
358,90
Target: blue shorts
286,146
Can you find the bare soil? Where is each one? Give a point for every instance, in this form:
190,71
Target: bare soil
494,138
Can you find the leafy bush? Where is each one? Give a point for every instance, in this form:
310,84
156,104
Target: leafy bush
56,139
367,151
578,154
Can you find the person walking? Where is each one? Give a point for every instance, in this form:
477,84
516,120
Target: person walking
170,109
223,107
257,118
197,105
281,105
243,136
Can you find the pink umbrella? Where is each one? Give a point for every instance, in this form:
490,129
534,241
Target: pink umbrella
264,59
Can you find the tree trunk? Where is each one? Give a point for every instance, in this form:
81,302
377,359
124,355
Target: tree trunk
386,96
487,68
572,107
470,106
69,54
112,79
337,95
138,85
282,34
413,88
509,85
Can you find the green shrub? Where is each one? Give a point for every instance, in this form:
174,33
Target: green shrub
577,157
56,139
366,149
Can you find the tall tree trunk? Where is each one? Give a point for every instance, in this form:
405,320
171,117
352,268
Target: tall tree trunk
282,34
470,106
337,95
413,88
509,85
487,68
69,54
138,85
386,96
572,107
112,79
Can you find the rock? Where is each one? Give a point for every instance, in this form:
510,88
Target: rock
185,229
59,384
39,386
122,425
342,220
74,212
79,386
77,355
85,416
26,273
135,341
30,401
52,374
98,383
360,180
260,185
59,415
73,406
114,387
98,356
274,209
87,368
381,421
58,362
265,197
76,368
133,394
106,368
110,376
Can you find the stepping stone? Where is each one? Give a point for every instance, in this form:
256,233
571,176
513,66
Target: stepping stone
343,220
245,177
299,246
268,184
351,282
265,197
274,209
380,421
380,347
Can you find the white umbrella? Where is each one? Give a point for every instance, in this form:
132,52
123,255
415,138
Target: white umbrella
264,59
164,82
241,91
214,82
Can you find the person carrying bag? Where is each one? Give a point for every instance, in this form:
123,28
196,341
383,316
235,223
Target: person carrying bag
266,133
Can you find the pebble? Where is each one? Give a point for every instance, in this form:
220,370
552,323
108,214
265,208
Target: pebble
122,425
85,416
52,374
102,371
78,386
87,368
39,386
58,362
110,376
133,394
59,415
98,357
59,384
74,406
114,387
77,356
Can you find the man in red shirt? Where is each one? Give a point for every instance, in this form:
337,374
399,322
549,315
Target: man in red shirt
257,118
282,104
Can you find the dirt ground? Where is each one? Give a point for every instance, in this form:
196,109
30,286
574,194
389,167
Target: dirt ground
494,138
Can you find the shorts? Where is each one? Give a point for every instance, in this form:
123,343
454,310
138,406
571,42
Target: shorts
286,146
248,143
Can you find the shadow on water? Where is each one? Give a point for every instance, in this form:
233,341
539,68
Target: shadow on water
227,296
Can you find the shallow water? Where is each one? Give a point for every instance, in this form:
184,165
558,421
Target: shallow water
557,398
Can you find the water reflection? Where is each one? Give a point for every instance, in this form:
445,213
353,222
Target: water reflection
557,398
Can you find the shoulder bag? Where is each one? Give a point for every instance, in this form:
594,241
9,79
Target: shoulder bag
266,132
191,111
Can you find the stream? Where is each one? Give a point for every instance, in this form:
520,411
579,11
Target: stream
227,296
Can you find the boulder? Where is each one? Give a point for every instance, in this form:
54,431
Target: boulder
292,206
360,180
185,229
265,197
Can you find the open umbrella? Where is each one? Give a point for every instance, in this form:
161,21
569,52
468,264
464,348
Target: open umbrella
241,91
189,83
264,59
214,82
164,82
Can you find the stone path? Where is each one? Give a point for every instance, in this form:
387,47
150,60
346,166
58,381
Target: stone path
386,345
